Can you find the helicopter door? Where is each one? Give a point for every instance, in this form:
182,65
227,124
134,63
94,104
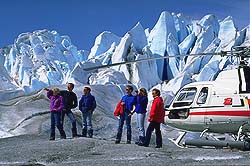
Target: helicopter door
182,103
200,108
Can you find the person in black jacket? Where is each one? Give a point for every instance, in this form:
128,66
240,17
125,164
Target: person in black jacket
70,102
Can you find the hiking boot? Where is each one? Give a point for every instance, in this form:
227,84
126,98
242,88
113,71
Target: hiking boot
142,144
118,138
84,132
158,146
90,133
62,134
117,141
141,140
74,132
129,139
52,138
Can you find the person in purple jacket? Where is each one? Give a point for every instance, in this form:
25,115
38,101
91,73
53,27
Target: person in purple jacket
56,107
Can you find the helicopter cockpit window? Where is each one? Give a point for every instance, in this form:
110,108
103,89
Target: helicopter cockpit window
185,97
202,98
186,94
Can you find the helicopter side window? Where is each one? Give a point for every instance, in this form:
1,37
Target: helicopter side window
185,97
202,98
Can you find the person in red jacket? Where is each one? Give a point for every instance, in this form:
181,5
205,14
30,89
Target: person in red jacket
156,117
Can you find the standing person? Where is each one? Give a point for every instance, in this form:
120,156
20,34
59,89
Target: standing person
56,106
128,101
87,105
156,117
70,102
141,109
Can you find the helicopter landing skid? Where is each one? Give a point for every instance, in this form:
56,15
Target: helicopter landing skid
241,134
203,132
178,140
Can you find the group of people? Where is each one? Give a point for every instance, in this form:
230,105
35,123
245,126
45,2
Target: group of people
131,104
62,103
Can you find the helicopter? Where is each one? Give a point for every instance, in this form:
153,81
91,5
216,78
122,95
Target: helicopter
220,106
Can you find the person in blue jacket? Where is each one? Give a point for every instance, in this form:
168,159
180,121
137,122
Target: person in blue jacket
128,101
141,109
87,105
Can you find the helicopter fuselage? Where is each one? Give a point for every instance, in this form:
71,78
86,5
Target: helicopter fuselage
217,106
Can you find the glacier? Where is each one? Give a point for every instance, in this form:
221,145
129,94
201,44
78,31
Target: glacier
44,58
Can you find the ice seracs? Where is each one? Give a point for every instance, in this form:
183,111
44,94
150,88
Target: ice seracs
108,76
44,58
158,40
227,33
103,43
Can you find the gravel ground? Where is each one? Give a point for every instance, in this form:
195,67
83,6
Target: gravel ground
25,116
38,150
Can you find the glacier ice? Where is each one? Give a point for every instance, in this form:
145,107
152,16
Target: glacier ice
181,26
186,45
173,64
138,37
45,58
247,37
227,33
108,76
157,40
103,43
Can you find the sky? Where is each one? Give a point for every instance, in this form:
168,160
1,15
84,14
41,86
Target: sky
84,20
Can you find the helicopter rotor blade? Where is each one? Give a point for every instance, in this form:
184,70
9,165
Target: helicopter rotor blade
235,52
